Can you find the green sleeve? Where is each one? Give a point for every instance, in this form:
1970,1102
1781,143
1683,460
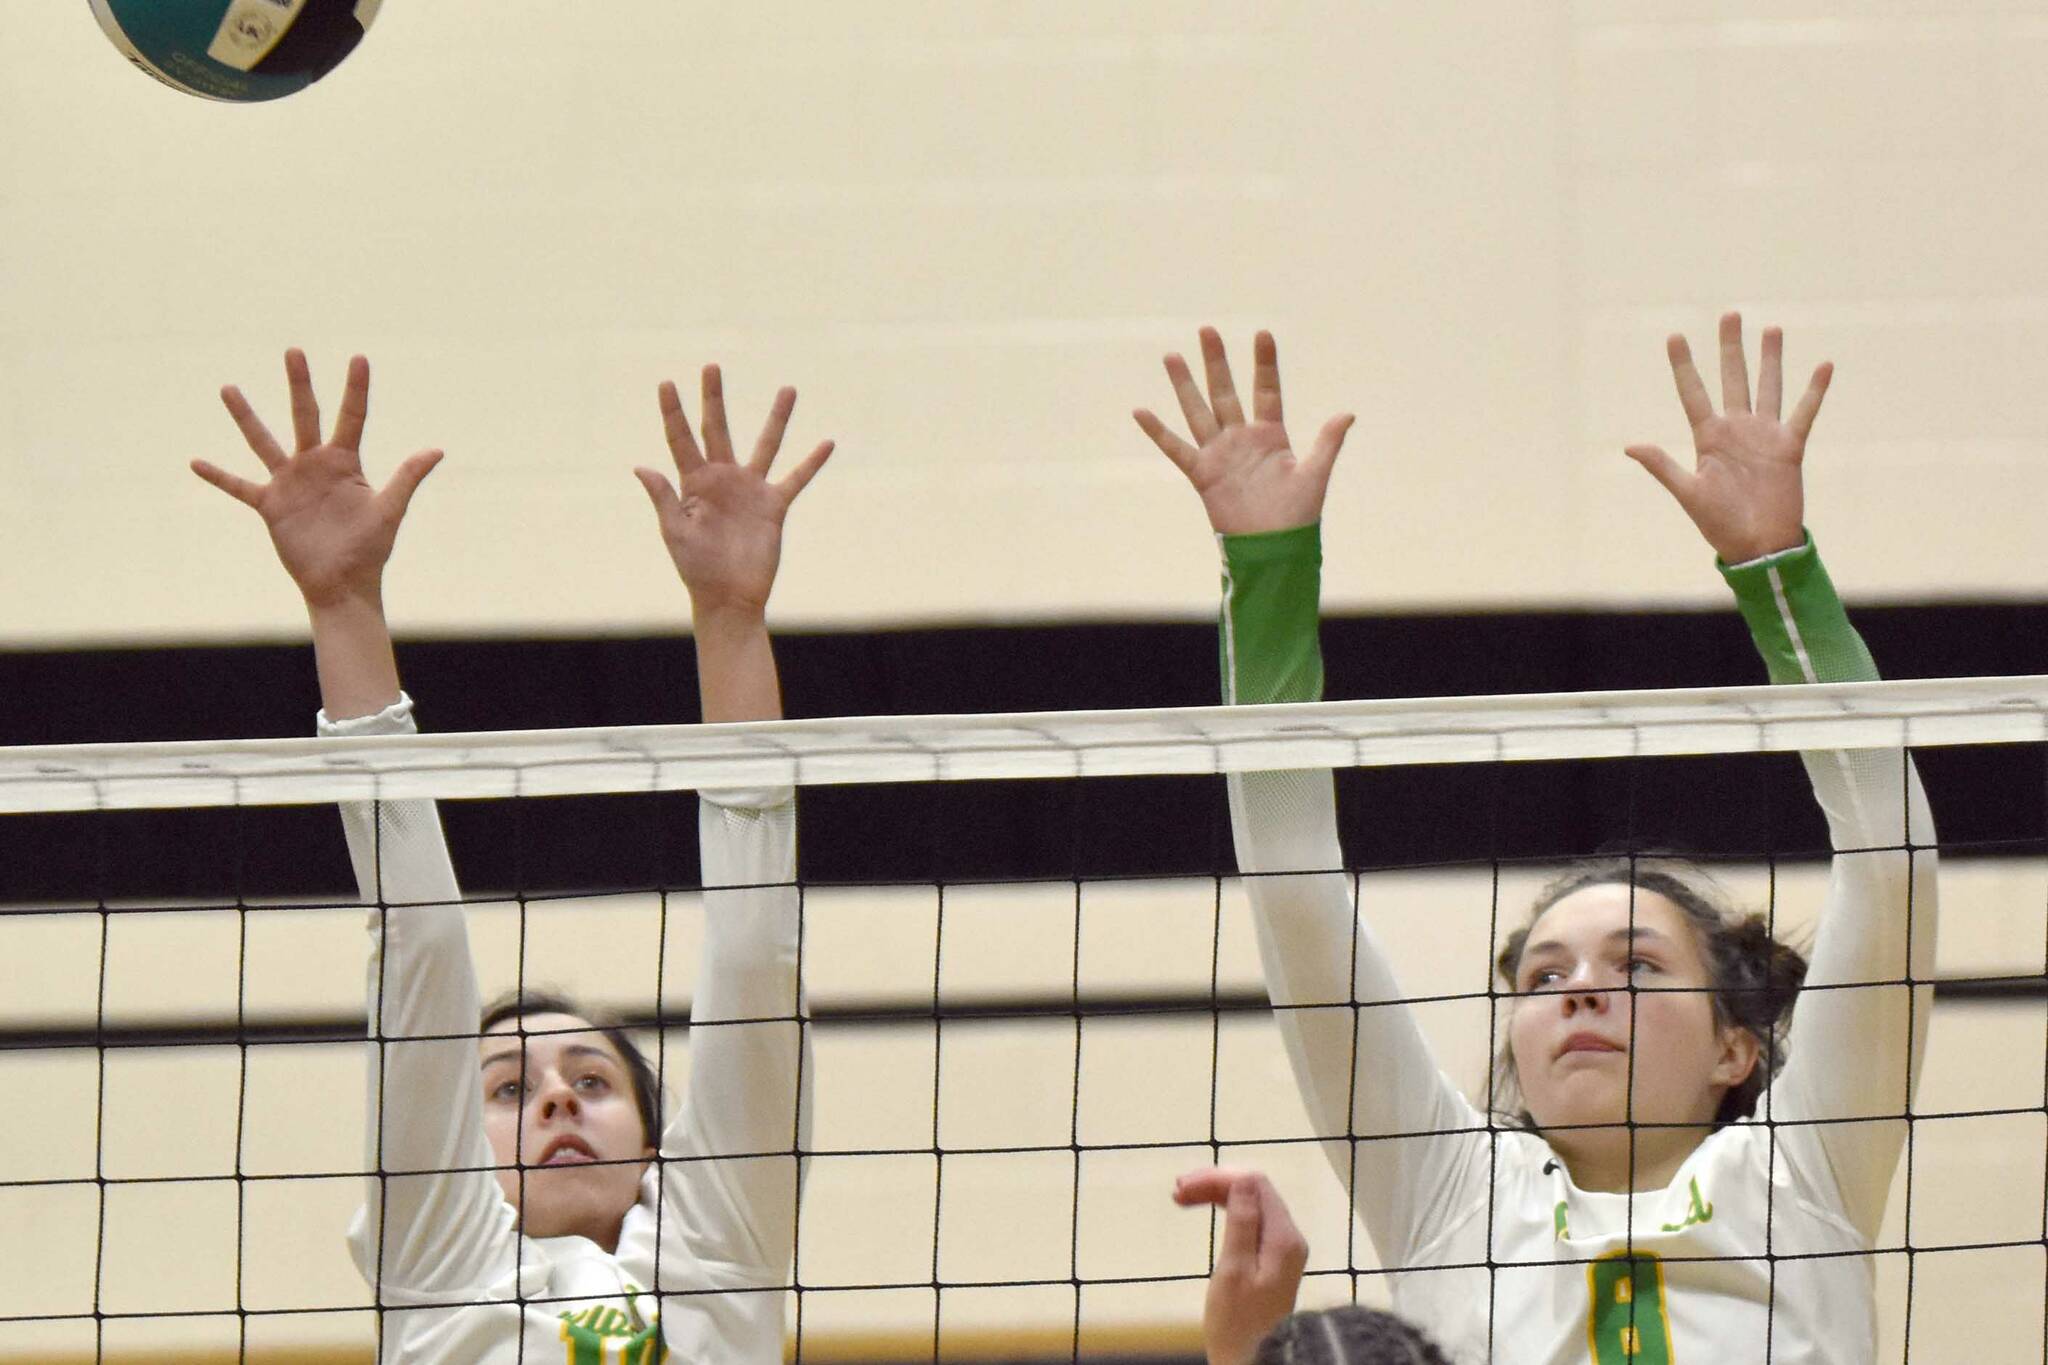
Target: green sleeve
1796,620
1272,587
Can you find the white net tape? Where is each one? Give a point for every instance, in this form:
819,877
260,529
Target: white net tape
1028,745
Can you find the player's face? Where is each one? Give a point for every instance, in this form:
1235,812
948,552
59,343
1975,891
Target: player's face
562,1106
1587,1049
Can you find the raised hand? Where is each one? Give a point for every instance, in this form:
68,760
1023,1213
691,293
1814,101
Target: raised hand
1258,1267
1247,474
332,530
1744,491
724,528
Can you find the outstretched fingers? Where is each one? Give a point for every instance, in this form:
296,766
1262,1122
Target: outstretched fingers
355,405
1770,375
800,478
1809,402
305,407
1675,477
406,480
1222,389
253,431
660,492
235,486
1265,379
1322,456
717,436
770,439
1734,365
1193,407
675,425
1692,390
1173,447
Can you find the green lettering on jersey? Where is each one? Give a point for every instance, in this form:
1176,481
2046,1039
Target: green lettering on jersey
607,1336
1625,1322
1698,1212
1564,1227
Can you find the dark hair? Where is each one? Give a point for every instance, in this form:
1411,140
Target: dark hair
1756,979
646,1088
1349,1335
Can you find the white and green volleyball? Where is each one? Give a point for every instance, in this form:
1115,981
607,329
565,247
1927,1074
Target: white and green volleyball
239,50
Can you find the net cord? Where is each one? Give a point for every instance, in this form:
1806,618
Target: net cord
1534,727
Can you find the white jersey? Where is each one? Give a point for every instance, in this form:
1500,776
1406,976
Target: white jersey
703,1257
1759,1249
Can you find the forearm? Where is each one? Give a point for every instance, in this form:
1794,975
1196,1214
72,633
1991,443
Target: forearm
448,1225
1803,633
1796,618
353,656
1361,1071
1855,1044
750,1064
736,677
1269,639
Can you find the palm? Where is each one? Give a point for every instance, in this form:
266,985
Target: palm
1249,474
725,534
724,528
1246,472
332,530
326,521
1745,492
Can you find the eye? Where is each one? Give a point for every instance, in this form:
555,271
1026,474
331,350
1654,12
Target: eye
1637,965
1544,977
505,1092
593,1084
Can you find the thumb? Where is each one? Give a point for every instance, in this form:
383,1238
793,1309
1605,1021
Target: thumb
659,491
406,480
1677,480
1329,441
235,486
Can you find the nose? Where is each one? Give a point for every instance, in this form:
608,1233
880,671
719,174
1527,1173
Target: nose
555,1098
1583,995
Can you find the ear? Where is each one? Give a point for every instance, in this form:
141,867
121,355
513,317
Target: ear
1740,1052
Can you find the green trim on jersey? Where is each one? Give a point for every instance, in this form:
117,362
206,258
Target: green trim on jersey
1272,589
1797,620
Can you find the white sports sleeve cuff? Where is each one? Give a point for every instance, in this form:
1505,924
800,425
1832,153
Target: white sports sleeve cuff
395,719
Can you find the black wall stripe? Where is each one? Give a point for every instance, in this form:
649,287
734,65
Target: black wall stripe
1989,798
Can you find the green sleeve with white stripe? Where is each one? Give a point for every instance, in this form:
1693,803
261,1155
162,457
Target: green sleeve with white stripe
1272,588
1797,620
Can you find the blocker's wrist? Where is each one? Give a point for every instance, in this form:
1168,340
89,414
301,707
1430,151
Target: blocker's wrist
727,616
355,602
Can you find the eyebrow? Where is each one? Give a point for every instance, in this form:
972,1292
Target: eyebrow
573,1050
1640,932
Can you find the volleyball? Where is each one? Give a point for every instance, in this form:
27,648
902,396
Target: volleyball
241,51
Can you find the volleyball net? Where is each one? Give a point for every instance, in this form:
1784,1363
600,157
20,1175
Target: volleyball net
1014,1056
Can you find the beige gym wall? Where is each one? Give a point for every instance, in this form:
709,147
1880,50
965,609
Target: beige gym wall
967,229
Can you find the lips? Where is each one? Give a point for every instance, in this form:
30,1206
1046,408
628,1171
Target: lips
566,1151
1588,1042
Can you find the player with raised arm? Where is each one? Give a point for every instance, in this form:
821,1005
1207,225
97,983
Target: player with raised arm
1633,1210
529,1203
